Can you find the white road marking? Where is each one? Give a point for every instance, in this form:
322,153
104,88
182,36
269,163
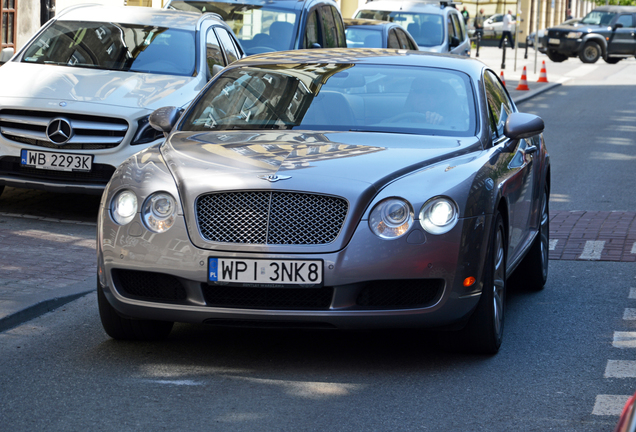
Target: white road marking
629,314
581,71
592,250
624,339
632,293
609,405
634,248
553,244
620,369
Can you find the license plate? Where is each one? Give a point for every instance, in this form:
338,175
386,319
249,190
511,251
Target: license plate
56,161
554,41
267,273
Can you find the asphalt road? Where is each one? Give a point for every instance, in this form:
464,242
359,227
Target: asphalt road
567,361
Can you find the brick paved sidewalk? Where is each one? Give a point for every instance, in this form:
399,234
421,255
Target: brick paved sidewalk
595,236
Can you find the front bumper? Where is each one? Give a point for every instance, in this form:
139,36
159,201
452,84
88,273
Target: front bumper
568,47
428,271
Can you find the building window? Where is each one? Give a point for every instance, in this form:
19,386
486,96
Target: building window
7,23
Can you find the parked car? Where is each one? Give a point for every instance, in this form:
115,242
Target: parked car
541,39
436,27
266,26
627,420
607,32
76,98
493,26
330,189
364,33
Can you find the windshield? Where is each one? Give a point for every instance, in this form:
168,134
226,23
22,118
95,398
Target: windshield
259,28
426,29
598,18
338,97
114,46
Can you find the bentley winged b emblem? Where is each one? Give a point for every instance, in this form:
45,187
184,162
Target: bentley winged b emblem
273,177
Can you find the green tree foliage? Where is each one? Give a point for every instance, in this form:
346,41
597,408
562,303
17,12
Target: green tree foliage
615,2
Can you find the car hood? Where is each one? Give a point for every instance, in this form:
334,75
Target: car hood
579,27
124,89
319,162
352,165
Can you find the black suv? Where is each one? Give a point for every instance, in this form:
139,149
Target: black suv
607,31
265,25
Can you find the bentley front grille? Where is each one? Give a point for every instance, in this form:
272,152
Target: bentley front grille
85,132
273,218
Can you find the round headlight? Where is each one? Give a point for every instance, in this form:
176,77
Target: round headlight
123,207
391,218
159,212
439,215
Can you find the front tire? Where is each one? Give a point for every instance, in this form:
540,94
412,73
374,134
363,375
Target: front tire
118,327
590,53
484,331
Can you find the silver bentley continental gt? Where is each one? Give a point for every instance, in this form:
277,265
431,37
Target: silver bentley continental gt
349,189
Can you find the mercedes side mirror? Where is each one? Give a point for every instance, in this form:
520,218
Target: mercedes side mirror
6,54
315,45
454,42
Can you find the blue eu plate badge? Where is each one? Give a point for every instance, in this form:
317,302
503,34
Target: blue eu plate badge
214,267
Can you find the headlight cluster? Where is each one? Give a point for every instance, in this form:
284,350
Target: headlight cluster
158,211
392,217
574,35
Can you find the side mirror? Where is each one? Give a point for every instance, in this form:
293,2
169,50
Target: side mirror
618,25
164,119
6,54
454,42
521,125
315,45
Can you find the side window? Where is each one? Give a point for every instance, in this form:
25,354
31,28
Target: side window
328,28
393,40
404,41
450,28
311,31
499,105
337,18
228,45
626,20
213,52
457,27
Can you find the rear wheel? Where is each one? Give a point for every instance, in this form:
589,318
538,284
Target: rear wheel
122,328
590,53
484,332
532,273
556,57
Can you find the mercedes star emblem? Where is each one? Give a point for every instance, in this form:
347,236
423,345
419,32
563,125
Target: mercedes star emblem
59,131
274,177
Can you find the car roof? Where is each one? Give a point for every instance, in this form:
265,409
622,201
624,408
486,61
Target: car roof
361,22
278,4
406,6
132,15
617,9
472,67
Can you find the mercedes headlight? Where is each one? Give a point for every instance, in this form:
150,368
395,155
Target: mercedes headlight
574,35
391,218
439,215
123,207
159,212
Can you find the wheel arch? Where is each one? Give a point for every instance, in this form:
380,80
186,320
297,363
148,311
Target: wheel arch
599,39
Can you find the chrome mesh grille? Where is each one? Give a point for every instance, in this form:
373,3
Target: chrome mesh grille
265,217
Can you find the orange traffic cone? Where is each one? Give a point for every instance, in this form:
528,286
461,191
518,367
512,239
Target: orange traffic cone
543,76
523,83
503,80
